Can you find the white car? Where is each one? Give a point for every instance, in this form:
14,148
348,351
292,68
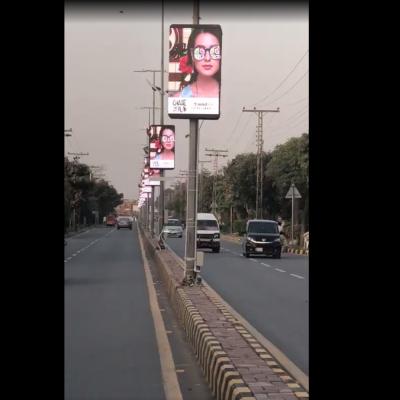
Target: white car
173,227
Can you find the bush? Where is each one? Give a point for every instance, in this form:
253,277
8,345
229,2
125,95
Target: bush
239,226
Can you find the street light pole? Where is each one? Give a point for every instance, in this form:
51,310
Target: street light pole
191,218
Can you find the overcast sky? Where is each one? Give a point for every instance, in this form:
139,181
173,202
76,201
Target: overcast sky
264,64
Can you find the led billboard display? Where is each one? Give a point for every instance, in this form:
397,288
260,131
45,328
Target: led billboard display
194,80
162,147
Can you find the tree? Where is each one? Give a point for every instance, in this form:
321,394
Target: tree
289,163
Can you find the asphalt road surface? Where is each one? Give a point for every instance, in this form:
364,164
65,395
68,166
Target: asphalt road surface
271,294
110,345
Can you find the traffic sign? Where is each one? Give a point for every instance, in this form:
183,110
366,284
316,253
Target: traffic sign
293,191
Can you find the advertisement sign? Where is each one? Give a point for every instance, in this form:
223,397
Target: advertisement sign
154,174
162,147
194,80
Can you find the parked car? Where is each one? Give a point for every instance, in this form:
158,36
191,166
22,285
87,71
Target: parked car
124,222
262,238
173,227
208,234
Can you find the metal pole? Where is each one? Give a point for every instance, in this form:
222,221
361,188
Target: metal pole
292,210
190,256
152,212
161,214
154,97
231,221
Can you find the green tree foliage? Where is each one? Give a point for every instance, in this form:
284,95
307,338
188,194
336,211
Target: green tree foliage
84,194
175,200
289,163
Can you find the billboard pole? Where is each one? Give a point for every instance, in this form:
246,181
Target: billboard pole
191,213
161,216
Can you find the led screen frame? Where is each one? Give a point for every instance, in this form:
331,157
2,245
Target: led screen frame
187,95
161,150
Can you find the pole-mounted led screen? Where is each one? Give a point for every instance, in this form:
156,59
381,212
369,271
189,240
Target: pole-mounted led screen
154,174
162,147
194,84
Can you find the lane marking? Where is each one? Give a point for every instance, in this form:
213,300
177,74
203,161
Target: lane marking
170,380
252,259
267,265
280,270
297,276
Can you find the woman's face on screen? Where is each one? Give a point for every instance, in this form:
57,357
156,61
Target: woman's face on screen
168,139
206,54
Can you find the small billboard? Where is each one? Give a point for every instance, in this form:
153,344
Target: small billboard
162,147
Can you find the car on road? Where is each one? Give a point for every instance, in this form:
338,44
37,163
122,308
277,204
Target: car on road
124,222
173,228
110,220
262,238
208,233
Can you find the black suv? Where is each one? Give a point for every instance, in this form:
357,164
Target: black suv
262,237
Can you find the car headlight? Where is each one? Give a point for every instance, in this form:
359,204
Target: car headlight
277,240
250,239
216,235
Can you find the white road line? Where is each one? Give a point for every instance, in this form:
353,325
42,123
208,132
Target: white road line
252,259
65,261
73,255
266,265
297,276
280,270
69,258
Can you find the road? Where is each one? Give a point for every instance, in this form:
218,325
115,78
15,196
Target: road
271,294
110,349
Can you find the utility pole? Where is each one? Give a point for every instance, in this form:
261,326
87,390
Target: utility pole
67,133
216,154
200,205
191,214
260,170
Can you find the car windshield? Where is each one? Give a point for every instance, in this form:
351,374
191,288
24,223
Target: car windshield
263,227
124,219
173,222
207,225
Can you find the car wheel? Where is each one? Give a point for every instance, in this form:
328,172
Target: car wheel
277,254
247,255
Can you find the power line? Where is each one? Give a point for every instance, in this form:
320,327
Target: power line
284,80
234,129
245,126
260,144
215,153
299,101
289,89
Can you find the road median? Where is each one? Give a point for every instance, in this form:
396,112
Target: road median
235,364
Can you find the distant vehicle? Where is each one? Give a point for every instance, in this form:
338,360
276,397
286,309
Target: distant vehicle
208,233
110,220
173,227
262,238
124,222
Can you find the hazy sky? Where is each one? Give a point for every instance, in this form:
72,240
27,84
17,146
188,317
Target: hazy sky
261,45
